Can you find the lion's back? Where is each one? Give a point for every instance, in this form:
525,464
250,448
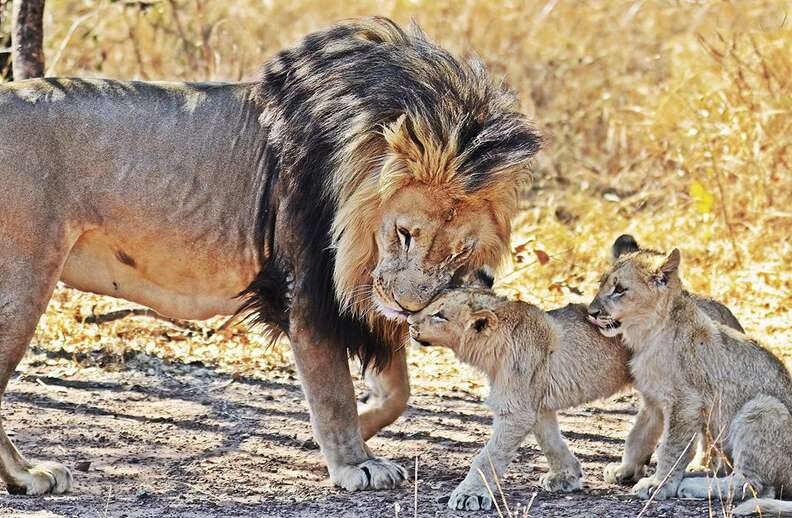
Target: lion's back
597,364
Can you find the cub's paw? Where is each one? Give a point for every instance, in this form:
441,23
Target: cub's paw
618,473
694,487
565,480
43,479
648,486
375,473
470,497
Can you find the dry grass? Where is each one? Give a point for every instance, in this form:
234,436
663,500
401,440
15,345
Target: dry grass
668,119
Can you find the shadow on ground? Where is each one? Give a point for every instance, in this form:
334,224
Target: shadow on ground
170,440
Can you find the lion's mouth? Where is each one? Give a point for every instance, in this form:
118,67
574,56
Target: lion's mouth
416,337
392,314
385,309
606,324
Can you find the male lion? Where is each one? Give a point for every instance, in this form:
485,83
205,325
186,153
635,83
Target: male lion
706,377
364,171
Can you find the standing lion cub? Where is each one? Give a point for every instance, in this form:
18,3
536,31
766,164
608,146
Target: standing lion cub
707,379
537,363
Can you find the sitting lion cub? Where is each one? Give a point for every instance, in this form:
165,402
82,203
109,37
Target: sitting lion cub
537,363
707,379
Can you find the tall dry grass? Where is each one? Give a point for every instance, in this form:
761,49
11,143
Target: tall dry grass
667,119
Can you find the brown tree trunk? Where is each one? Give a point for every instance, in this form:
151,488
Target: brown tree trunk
27,35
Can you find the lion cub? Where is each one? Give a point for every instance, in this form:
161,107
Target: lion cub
706,377
537,363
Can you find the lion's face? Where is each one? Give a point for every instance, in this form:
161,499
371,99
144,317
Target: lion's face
634,291
424,240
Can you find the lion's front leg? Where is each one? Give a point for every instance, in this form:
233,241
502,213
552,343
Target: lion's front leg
327,383
390,391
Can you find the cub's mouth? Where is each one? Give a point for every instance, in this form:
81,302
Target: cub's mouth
607,325
416,337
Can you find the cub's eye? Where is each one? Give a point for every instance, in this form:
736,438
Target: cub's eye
439,316
404,237
618,289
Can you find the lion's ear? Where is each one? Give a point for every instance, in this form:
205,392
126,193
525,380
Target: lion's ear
482,321
624,244
417,151
405,139
669,268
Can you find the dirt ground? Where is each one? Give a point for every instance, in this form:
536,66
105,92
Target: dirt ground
178,440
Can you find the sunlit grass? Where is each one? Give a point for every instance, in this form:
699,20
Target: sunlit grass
667,119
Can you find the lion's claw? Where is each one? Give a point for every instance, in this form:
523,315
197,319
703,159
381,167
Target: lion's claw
470,498
565,481
43,479
618,473
374,473
648,486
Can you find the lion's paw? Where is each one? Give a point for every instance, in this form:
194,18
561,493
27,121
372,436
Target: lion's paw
567,480
470,497
42,479
375,473
648,486
694,487
618,473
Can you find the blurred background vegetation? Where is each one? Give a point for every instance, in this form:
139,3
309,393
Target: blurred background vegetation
668,119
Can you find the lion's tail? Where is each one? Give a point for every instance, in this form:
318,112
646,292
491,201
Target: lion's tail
765,506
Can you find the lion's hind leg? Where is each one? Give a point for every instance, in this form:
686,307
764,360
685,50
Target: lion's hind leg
639,446
761,447
390,391
565,473
27,279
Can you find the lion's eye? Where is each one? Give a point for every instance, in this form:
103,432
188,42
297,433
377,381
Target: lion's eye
618,289
439,316
404,237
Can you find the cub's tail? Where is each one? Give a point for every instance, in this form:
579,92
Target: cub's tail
765,506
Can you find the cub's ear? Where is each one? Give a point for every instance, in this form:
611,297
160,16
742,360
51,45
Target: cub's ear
669,268
624,244
482,321
480,278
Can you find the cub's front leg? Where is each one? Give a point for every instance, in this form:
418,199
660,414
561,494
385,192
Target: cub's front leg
639,446
491,462
681,425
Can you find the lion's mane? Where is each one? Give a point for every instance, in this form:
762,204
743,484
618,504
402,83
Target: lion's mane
354,113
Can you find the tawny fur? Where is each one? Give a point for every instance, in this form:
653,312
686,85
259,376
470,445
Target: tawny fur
537,363
707,379
363,171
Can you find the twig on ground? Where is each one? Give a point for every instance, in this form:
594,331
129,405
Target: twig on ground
138,312
415,497
665,479
489,490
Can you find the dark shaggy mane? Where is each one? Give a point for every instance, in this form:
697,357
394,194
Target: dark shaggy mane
324,105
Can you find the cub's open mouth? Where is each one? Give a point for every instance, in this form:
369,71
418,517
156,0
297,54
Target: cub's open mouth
416,337
605,322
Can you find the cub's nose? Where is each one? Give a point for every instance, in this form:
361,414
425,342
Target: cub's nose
412,318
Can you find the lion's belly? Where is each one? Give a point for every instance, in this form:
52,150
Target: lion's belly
174,281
